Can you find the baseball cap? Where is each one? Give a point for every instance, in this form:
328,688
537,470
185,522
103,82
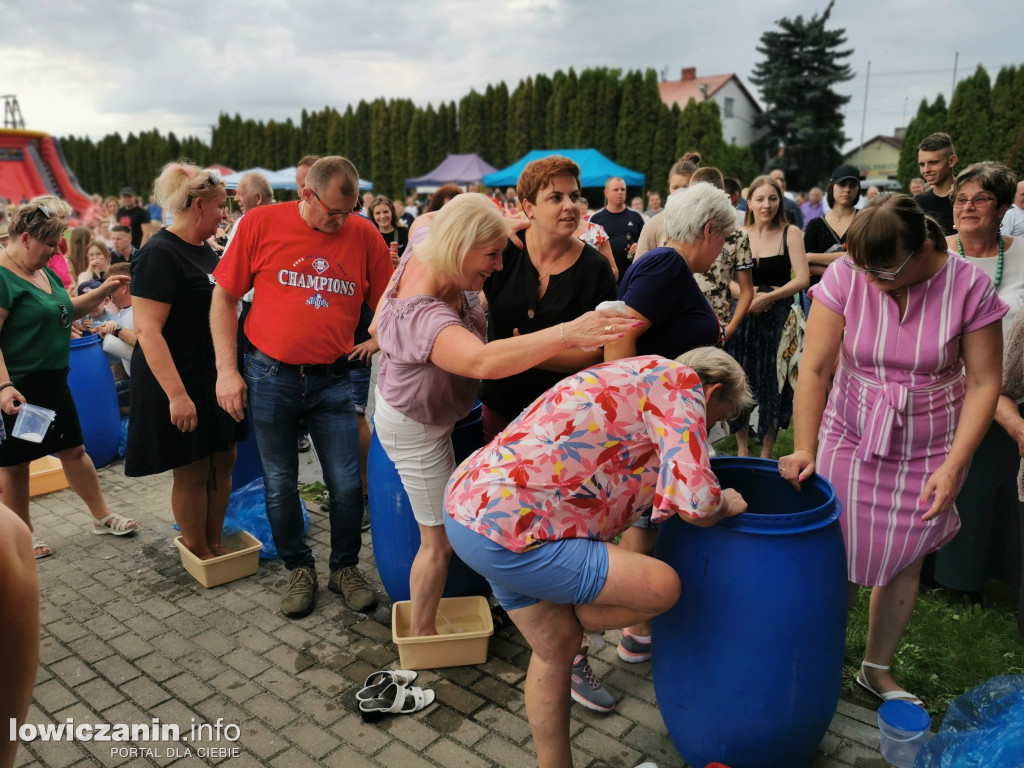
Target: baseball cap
88,285
127,191
844,172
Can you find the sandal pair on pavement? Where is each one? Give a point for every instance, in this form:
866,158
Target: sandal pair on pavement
389,692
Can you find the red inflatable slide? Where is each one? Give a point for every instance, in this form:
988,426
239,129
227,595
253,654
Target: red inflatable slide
32,164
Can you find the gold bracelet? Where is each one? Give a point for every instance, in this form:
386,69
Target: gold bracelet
561,333
805,450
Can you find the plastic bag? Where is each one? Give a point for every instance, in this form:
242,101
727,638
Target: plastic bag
122,445
247,511
983,728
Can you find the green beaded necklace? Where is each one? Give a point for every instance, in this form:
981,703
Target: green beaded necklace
999,258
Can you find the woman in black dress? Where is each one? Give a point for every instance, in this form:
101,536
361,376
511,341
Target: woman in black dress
175,420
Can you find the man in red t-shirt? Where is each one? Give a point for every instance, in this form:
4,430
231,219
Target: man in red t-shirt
313,264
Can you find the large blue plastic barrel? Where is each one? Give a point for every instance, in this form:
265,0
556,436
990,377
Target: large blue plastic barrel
748,664
395,535
92,388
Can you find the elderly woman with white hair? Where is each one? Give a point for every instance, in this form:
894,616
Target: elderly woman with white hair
660,290
430,327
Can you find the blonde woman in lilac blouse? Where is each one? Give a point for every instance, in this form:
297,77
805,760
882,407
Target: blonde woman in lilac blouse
430,328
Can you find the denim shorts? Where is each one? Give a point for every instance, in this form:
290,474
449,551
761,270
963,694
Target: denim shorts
564,572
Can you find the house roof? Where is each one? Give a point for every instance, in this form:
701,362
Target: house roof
892,141
681,91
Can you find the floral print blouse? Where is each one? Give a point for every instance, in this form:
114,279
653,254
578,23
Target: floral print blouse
590,455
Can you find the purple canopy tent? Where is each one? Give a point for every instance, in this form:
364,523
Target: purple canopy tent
455,169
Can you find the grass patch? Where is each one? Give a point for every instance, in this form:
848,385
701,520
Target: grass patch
948,648
312,491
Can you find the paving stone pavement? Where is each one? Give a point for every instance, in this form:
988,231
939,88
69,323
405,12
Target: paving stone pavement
129,636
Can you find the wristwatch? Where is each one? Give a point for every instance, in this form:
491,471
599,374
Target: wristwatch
117,332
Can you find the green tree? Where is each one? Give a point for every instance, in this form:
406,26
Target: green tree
520,133
1007,119
634,132
930,118
609,99
497,126
972,137
472,124
802,63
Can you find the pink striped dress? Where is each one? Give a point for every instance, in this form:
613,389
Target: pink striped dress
894,407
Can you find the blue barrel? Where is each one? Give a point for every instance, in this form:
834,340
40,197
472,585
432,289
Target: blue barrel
748,664
395,535
92,388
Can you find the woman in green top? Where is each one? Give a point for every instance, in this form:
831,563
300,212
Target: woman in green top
35,332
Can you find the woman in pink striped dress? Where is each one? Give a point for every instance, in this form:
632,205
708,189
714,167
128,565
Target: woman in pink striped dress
919,343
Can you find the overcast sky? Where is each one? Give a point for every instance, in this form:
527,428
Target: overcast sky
92,68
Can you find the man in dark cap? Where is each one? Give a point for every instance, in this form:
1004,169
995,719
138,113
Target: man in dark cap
132,215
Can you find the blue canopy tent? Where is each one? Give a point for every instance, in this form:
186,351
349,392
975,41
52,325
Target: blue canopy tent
283,179
288,180
454,169
595,169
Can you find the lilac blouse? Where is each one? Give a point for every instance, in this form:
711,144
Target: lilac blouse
406,330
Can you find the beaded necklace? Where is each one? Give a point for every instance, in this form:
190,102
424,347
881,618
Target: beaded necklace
999,259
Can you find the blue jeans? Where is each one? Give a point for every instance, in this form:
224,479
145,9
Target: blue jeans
278,398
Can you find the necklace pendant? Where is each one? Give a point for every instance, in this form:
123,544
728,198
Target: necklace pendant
530,313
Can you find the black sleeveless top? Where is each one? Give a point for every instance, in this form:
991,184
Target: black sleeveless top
773,270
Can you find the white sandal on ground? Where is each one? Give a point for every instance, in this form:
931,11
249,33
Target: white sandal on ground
378,681
862,681
396,700
118,525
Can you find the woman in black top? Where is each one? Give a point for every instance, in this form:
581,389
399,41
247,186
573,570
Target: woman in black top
175,420
825,237
393,229
553,278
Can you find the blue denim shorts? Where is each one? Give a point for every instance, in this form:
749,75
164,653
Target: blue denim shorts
565,572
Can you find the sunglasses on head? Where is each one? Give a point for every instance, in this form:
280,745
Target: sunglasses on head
212,180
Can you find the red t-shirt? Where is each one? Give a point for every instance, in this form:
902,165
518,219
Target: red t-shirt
310,285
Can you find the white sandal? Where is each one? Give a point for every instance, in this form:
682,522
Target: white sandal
118,525
395,699
889,695
378,681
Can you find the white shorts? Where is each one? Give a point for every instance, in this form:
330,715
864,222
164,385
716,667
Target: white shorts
423,456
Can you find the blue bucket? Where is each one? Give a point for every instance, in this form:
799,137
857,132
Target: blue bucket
748,664
92,388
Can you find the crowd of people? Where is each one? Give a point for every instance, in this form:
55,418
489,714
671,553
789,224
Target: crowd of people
597,344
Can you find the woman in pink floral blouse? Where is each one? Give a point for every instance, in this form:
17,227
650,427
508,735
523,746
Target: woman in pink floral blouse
534,510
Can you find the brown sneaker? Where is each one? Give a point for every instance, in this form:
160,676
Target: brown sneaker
350,584
300,597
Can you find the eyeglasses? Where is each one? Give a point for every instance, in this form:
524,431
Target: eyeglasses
329,212
879,274
65,316
978,202
212,180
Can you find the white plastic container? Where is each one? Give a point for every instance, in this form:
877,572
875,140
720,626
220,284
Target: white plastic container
32,423
903,729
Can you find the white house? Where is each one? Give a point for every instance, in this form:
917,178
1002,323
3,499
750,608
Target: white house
735,102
